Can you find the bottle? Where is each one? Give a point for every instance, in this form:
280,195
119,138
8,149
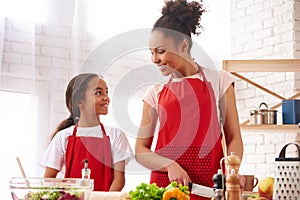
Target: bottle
219,185
233,186
86,172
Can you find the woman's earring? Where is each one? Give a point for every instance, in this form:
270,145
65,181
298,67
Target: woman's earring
183,47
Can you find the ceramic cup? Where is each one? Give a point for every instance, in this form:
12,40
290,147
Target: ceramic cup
250,182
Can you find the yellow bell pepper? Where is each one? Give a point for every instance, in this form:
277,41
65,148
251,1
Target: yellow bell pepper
175,193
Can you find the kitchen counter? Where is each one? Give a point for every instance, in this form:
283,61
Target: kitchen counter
125,196
109,196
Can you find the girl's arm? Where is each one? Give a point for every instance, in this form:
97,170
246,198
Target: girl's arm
119,176
50,172
149,159
231,125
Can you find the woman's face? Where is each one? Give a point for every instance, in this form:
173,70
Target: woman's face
165,53
96,98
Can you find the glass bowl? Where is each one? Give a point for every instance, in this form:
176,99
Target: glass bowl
50,188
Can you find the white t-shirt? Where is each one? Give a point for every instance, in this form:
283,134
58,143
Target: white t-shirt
219,79
54,155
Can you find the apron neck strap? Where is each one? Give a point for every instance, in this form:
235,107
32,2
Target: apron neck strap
200,71
101,125
103,129
75,129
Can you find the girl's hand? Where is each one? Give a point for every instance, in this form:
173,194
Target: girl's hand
177,173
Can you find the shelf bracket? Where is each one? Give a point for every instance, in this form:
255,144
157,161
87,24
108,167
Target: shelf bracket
258,86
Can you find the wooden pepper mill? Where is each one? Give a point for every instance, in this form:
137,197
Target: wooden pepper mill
233,186
233,162
233,191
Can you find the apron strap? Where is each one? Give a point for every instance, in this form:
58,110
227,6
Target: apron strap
101,125
103,130
200,71
170,79
75,129
70,148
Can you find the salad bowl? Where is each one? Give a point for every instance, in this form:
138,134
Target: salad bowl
50,188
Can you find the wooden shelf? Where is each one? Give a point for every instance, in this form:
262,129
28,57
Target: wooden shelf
272,128
274,65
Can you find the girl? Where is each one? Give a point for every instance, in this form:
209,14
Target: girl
83,137
192,107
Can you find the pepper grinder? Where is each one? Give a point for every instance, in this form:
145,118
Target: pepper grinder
232,177
233,162
219,185
233,186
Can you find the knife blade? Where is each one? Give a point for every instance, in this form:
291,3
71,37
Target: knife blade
201,190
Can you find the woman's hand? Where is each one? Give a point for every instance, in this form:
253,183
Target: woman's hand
177,173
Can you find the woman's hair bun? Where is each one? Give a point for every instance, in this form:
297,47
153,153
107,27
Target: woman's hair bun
183,12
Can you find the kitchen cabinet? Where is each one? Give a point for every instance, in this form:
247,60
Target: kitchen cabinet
236,67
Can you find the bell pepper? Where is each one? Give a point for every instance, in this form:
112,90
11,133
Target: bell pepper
175,194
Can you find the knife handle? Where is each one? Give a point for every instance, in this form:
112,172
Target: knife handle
190,185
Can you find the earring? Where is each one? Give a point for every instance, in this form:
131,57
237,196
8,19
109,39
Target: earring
182,49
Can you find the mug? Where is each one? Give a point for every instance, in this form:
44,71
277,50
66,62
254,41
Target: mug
250,182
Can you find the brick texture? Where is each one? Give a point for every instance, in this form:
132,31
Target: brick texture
260,29
265,29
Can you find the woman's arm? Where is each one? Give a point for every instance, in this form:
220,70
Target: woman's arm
146,157
231,125
50,172
119,176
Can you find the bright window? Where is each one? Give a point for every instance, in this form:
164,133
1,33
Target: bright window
31,10
17,138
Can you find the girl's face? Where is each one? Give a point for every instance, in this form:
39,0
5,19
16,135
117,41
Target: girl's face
96,100
165,53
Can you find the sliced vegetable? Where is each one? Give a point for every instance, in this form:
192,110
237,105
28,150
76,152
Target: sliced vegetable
181,187
175,194
54,195
153,192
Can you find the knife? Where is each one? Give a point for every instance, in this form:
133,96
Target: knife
201,190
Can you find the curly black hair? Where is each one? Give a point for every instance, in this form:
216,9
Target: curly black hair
181,16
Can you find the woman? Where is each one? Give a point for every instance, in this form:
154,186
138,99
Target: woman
82,137
192,107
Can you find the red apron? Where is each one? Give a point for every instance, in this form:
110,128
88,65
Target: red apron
190,131
98,153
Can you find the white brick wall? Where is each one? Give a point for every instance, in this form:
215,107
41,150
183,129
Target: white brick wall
260,29
58,54
264,29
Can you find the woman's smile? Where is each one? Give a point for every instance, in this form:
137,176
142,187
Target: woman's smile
162,67
104,105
